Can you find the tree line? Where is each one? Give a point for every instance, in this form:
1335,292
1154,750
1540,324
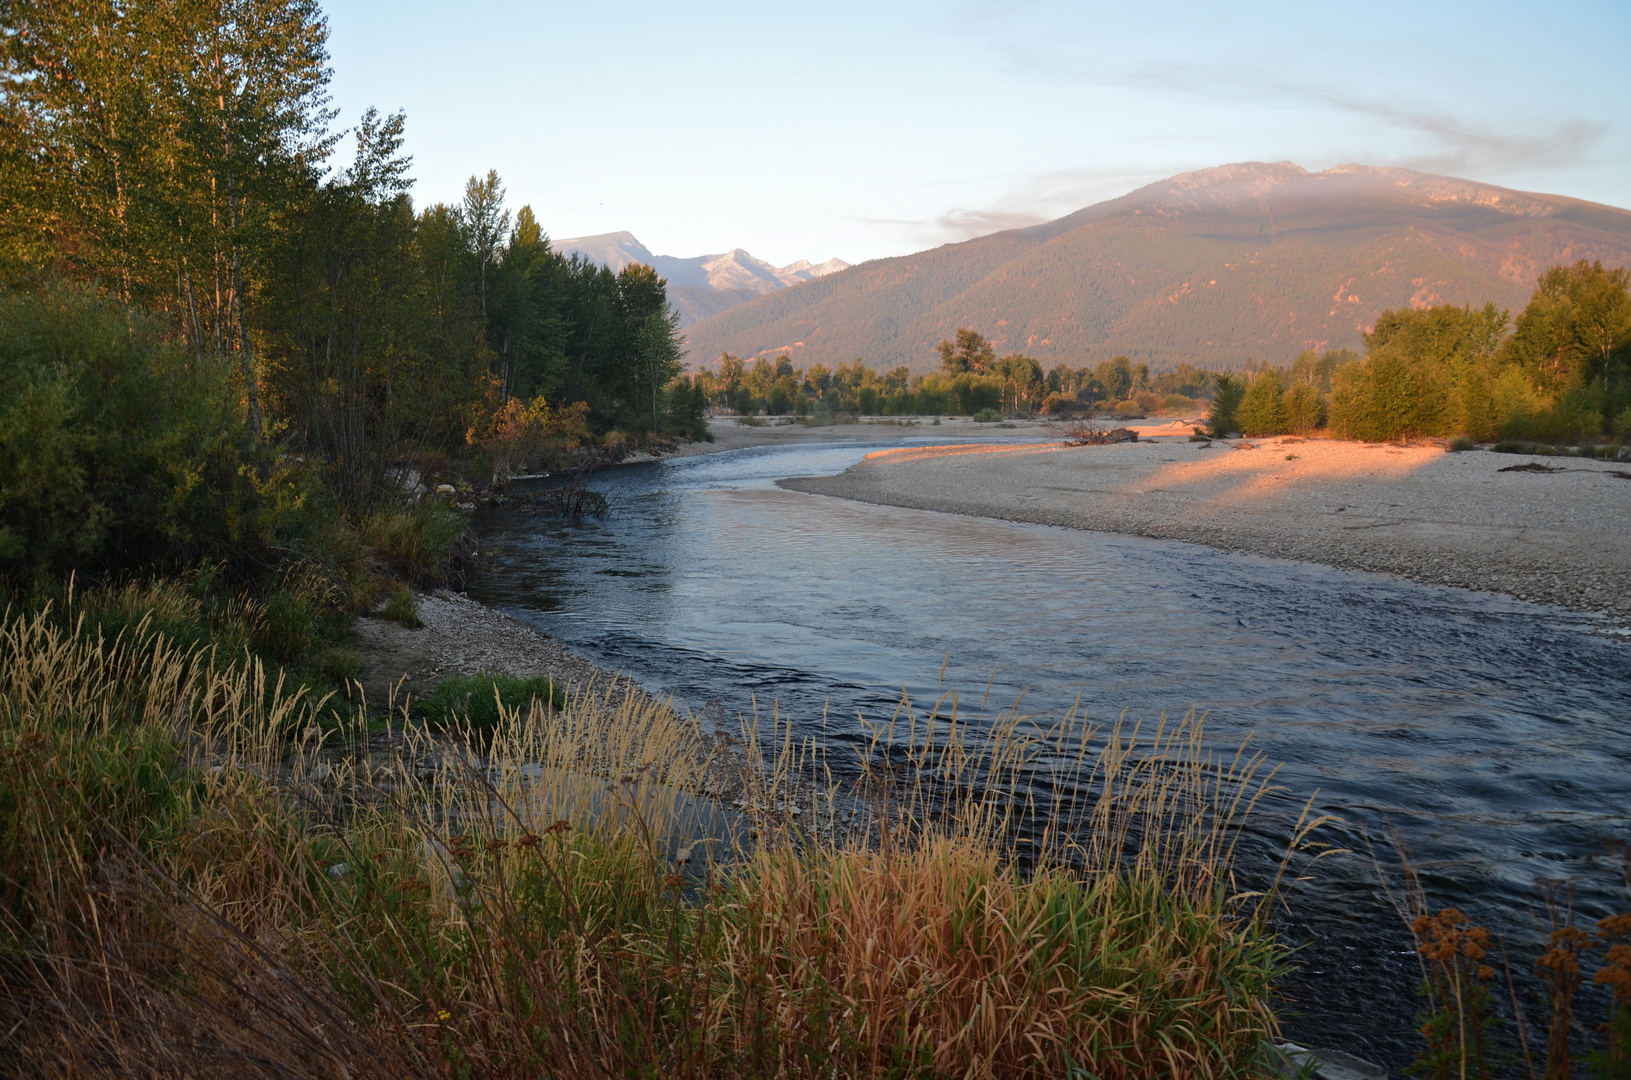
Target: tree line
971,379
178,160
1558,373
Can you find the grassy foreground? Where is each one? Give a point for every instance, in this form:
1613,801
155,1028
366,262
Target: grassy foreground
196,880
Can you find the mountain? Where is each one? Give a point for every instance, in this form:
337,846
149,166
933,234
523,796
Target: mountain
1247,261
702,286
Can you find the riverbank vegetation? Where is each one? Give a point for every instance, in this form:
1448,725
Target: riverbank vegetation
231,358
972,379
198,880
1560,373
181,163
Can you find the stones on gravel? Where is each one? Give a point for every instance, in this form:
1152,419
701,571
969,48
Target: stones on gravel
461,637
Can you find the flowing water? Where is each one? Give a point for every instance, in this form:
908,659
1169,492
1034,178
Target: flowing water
1493,735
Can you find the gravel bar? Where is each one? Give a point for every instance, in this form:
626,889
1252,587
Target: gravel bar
1557,531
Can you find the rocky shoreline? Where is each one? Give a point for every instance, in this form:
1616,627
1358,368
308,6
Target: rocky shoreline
461,636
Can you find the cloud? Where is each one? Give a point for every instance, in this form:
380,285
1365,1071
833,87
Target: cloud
1467,147
1028,201
965,223
1454,142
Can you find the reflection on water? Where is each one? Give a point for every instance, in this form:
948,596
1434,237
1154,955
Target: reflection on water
1494,735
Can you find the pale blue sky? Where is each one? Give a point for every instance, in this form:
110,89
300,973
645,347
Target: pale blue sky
869,129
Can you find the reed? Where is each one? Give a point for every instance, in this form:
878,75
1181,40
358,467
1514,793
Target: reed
200,880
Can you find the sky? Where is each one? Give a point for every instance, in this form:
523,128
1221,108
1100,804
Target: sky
868,129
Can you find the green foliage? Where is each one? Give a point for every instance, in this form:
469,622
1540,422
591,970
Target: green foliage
1576,329
1305,409
971,353
475,700
338,665
400,607
360,331
986,416
1221,421
1559,377
1263,408
119,450
1386,397
685,406
416,542
1316,369
1425,372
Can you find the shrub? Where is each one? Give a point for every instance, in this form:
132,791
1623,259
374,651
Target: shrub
1460,443
986,416
1387,397
118,450
288,627
416,542
1059,402
1622,426
400,607
339,665
1263,409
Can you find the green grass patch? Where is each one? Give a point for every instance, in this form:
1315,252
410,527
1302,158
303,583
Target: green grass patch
475,699
400,607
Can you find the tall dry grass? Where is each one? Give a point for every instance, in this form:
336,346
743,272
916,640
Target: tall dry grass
198,880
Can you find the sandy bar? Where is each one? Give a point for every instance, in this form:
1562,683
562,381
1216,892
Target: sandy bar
1416,511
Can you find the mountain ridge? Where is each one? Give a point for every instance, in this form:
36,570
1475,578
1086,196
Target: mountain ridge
702,285
1248,261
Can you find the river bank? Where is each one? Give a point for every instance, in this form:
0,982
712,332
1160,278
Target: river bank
461,637
1548,530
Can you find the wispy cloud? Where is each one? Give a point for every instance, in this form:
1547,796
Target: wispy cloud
1462,146
1028,201
1453,142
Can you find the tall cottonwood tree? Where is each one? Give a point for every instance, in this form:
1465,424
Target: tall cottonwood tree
485,223
149,145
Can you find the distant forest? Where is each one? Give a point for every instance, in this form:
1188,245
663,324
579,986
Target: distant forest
972,379
1559,372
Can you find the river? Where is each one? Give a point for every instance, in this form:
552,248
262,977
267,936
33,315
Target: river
1494,735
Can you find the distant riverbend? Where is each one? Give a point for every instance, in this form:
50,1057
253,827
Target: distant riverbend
1494,734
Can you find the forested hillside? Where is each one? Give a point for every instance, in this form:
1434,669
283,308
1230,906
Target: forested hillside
1240,263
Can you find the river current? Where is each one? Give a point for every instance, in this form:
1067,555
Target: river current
1494,736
